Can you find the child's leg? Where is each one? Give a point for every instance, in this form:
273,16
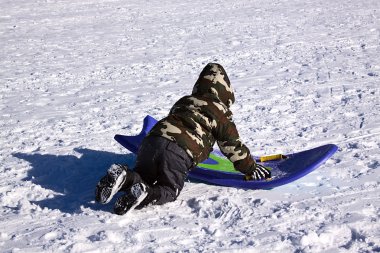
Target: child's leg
171,179
164,165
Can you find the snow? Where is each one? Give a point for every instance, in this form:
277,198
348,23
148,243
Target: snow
75,73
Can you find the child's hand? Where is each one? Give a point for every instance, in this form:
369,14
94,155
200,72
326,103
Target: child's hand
259,172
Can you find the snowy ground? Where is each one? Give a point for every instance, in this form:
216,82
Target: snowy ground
75,73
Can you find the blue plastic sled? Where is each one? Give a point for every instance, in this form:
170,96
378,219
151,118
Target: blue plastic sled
219,170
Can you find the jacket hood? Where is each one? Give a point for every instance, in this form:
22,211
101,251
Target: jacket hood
213,83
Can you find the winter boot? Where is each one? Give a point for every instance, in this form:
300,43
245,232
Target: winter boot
111,183
136,194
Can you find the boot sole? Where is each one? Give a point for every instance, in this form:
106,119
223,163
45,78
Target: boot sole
138,201
116,187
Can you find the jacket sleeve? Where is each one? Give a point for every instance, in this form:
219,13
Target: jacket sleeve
231,146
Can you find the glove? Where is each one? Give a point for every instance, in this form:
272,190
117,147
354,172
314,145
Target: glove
259,172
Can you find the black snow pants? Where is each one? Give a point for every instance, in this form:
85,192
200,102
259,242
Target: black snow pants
163,166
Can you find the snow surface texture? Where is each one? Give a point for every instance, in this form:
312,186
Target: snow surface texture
75,73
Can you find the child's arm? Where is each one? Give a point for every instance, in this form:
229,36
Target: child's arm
231,146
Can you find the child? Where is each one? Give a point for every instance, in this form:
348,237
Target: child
178,143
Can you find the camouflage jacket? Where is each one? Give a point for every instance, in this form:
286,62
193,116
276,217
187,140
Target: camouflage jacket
197,121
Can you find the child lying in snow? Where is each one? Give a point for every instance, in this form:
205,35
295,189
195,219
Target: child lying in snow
178,143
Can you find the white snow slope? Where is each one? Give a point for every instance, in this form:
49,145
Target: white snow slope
75,73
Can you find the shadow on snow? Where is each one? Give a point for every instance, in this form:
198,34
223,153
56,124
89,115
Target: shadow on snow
72,178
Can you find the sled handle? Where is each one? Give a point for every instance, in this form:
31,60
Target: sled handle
272,157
